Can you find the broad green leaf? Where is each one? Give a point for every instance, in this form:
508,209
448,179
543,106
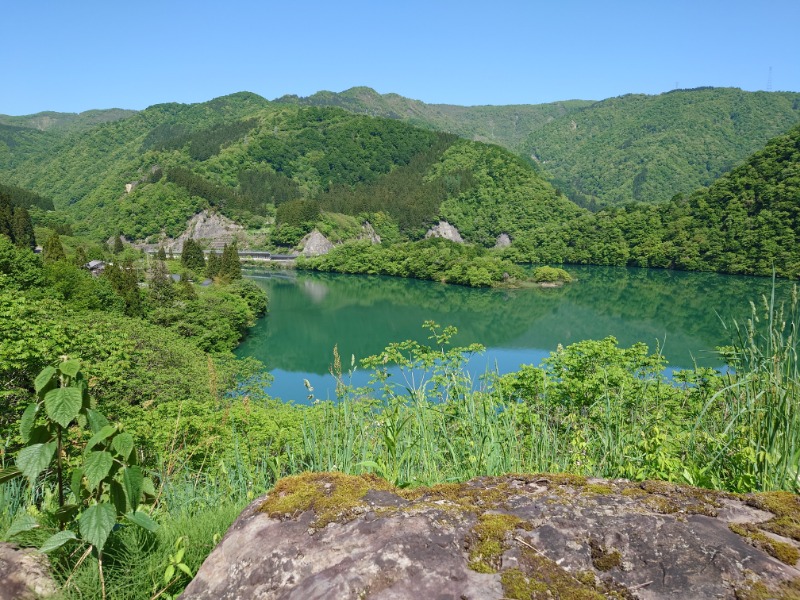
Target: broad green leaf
57,540
75,483
143,520
96,467
118,497
40,435
67,512
148,487
96,524
123,444
27,421
63,404
43,378
34,459
23,522
185,569
9,473
96,420
70,367
168,573
133,480
101,435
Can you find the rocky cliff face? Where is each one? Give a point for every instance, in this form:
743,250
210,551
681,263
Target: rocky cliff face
445,230
330,535
316,244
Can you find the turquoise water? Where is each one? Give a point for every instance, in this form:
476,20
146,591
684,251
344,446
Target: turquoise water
310,313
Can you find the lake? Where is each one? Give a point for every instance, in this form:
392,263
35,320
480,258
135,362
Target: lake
310,313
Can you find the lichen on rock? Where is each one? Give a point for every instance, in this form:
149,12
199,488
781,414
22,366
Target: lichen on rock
325,535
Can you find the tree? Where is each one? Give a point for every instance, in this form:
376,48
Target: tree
192,256
118,245
162,255
230,267
213,265
53,250
80,256
22,229
125,282
161,291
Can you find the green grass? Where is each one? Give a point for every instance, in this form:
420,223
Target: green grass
591,409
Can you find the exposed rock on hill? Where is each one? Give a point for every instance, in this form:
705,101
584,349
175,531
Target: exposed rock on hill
503,241
212,230
446,231
368,233
316,244
329,535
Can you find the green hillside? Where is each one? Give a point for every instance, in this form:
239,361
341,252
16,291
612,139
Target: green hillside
256,161
66,122
649,148
746,222
509,126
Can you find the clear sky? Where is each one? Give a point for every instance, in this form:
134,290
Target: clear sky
84,54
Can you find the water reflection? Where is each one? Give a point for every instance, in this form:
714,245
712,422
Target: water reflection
311,313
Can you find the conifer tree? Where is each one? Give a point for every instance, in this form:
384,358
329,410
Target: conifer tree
230,267
6,219
118,245
53,250
192,256
22,229
213,265
161,291
80,256
162,255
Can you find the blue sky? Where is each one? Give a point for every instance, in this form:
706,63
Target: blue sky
75,56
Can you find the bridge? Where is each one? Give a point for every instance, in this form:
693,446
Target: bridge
245,255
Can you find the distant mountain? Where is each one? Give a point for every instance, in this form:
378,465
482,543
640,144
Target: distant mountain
508,126
56,121
649,148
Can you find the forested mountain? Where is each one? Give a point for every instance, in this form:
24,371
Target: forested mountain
649,148
508,126
286,168
252,160
56,121
746,222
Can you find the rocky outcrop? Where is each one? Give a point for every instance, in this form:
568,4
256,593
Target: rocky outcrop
316,244
446,231
211,229
24,574
503,241
368,233
329,535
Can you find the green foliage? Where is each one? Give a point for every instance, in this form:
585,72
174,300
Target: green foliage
192,256
504,125
19,266
744,223
53,251
230,268
106,487
649,148
550,275
435,259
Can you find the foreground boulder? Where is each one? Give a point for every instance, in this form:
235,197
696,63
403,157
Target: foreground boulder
24,574
329,535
